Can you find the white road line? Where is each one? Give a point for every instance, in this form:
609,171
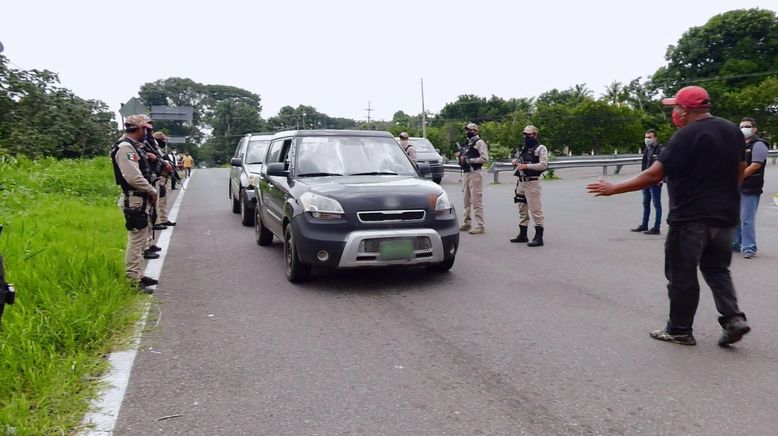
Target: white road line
105,409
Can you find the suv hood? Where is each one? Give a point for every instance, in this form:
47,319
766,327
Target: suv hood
358,193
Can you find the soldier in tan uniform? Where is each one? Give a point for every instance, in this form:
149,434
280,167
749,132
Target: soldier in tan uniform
530,163
164,182
133,173
471,159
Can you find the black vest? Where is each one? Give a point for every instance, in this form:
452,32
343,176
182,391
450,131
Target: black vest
471,153
649,158
143,164
753,184
528,156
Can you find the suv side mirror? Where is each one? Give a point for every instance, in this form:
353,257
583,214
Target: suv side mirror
424,168
277,169
235,161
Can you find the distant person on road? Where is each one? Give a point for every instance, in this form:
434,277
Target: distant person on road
704,162
530,163
188,163
174,160
471,159
133,173
405,143
652,194
751,190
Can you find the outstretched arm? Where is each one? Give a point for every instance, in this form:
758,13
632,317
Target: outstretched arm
649,177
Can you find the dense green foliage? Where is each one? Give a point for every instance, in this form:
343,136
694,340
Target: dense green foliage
63,246
40,118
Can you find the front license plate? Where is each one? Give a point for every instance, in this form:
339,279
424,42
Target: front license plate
397,249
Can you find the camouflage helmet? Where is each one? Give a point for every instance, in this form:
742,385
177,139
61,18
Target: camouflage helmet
472,126
137,121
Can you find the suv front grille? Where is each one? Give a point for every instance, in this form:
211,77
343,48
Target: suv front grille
392,216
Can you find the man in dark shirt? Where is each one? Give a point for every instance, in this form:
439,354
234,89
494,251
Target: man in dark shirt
704,165
652,194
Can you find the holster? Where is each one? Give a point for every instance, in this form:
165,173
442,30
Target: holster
135,218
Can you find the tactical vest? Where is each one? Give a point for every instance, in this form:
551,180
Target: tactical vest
528,157
143,164
471,153
753,184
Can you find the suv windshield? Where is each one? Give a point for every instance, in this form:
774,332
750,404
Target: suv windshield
255,151
352,155
423,145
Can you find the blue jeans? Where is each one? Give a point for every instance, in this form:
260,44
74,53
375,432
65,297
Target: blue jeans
653,193
745,233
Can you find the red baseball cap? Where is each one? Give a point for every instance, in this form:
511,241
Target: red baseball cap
689,96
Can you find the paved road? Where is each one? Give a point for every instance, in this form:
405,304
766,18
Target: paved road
513,340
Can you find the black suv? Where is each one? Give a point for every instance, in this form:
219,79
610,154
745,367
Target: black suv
246,163
351,199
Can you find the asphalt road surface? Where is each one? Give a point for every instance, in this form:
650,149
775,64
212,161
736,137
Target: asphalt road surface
513,340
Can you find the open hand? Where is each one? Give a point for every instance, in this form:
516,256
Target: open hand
600,189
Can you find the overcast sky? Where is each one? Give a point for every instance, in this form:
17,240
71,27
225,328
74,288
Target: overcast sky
338,55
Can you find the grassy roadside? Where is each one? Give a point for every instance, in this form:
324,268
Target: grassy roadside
63,246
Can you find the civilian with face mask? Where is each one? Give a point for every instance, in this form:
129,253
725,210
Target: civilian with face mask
751,190
704,162
405,143
530,163
652,193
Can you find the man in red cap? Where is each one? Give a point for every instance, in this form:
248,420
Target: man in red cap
704,164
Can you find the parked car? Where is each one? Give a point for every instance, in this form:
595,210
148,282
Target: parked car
351,199
246,163
426,152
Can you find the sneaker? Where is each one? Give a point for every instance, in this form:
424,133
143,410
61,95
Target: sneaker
736,249
749,254
639,229
477,231
153,249
159,227
464,227
651,232
662,335
148,281
168,223
150,255
734,331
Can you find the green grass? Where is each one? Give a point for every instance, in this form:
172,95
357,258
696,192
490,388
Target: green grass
63,246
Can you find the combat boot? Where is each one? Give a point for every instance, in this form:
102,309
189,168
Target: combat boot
522,236
537,241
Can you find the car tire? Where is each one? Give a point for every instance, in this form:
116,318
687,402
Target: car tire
443,266
296,271
235,203
246,214
437,180
263,236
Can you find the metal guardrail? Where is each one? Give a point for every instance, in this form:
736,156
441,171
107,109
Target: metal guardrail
606,161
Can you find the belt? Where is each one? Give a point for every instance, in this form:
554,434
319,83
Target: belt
527,179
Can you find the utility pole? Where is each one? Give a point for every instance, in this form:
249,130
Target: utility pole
423,112
368,114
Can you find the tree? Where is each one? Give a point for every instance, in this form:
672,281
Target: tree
40,118
737,48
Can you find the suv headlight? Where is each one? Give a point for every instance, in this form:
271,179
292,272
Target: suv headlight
253,180
442,204
321,207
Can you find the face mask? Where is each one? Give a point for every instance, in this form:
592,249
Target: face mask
678,120
648,141
530,141
404,143
747,131
470,133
